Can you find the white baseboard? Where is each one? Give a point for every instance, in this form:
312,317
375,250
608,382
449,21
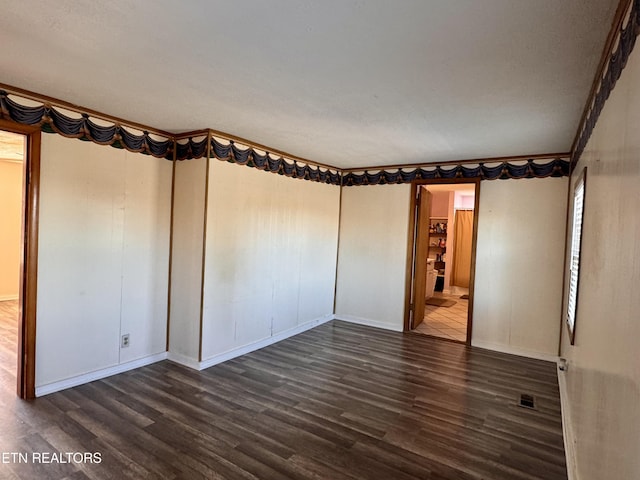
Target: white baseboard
265,342
370,323
521,352
6,298
567,429
184,360
181,359
99,374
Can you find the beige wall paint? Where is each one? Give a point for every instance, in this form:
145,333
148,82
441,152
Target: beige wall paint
145,255
102,257
270,257
372,255
603,375
186,270
10,228
519,264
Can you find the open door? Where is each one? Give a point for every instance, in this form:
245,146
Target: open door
449,312
423,209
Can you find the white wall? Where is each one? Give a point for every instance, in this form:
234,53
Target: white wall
464,201
519,265
145,254
10,228
603,376
372,255
186,259
270,256
102,258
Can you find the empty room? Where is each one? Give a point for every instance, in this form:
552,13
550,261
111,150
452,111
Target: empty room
320,240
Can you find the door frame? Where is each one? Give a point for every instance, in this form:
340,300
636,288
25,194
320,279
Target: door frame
411,247
29,262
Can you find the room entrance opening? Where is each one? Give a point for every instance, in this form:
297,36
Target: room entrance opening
442,251
20,179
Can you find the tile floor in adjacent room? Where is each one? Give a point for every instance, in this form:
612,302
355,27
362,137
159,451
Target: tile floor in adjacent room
446,322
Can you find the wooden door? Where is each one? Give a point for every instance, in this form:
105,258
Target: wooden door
422,251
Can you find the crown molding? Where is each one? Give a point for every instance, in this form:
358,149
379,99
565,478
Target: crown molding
51,115
618,47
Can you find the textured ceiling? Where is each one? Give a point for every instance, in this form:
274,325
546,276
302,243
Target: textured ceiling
348,83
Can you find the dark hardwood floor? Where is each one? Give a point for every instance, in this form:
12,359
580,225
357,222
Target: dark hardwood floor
341,401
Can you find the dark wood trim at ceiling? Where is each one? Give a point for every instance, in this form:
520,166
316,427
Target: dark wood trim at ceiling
607,50
170,135
243,141
26,364
51,102
288,156
192,134
36,97
410,166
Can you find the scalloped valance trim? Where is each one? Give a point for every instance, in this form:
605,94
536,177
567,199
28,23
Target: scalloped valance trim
85,126
52,120
557,167
626,40
249,156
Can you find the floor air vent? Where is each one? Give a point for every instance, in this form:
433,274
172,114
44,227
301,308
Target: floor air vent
526,401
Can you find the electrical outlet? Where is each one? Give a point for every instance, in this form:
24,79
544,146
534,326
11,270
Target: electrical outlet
125,341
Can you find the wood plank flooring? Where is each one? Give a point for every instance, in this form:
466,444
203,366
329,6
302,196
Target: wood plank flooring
340,401
8,347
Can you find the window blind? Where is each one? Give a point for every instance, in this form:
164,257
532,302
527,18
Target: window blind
576,235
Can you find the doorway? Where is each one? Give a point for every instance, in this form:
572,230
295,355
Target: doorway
12,155
19,180
443,239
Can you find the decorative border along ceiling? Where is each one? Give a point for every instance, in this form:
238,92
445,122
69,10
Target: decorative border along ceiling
52,120
557,167
250,156
34,110
625,39
84,126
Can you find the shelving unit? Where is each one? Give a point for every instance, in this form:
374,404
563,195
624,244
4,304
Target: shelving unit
437,236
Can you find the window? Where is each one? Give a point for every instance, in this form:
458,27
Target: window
576,241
